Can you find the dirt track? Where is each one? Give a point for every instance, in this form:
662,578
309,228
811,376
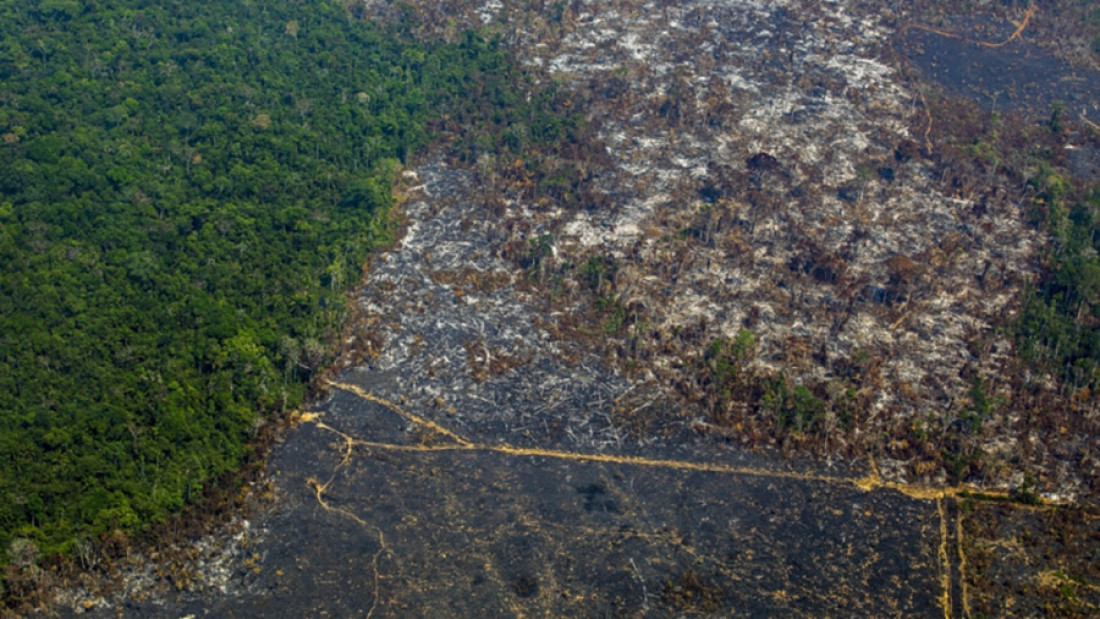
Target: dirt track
473,465
406,521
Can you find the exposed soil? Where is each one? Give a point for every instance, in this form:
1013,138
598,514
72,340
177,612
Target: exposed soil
1026,563
406,530
499,440
1017,75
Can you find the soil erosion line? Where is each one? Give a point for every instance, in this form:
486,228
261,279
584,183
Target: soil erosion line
1015,35
370,397
867,483
319,492
459,444
962,562
945,562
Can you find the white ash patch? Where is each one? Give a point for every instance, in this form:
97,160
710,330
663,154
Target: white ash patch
698,89
488,11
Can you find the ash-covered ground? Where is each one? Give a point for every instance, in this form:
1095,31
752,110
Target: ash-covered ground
771,167
493,444
431,531
447,333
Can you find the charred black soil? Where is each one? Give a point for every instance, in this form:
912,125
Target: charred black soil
517,427
1000,72
396,518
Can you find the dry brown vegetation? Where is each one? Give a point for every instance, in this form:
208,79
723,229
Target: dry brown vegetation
777,232
782,170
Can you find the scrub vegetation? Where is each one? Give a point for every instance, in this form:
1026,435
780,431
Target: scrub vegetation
784,227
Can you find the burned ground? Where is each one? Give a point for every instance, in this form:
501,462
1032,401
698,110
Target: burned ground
741,351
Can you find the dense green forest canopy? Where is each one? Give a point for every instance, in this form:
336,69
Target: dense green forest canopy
188,189
1059,326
